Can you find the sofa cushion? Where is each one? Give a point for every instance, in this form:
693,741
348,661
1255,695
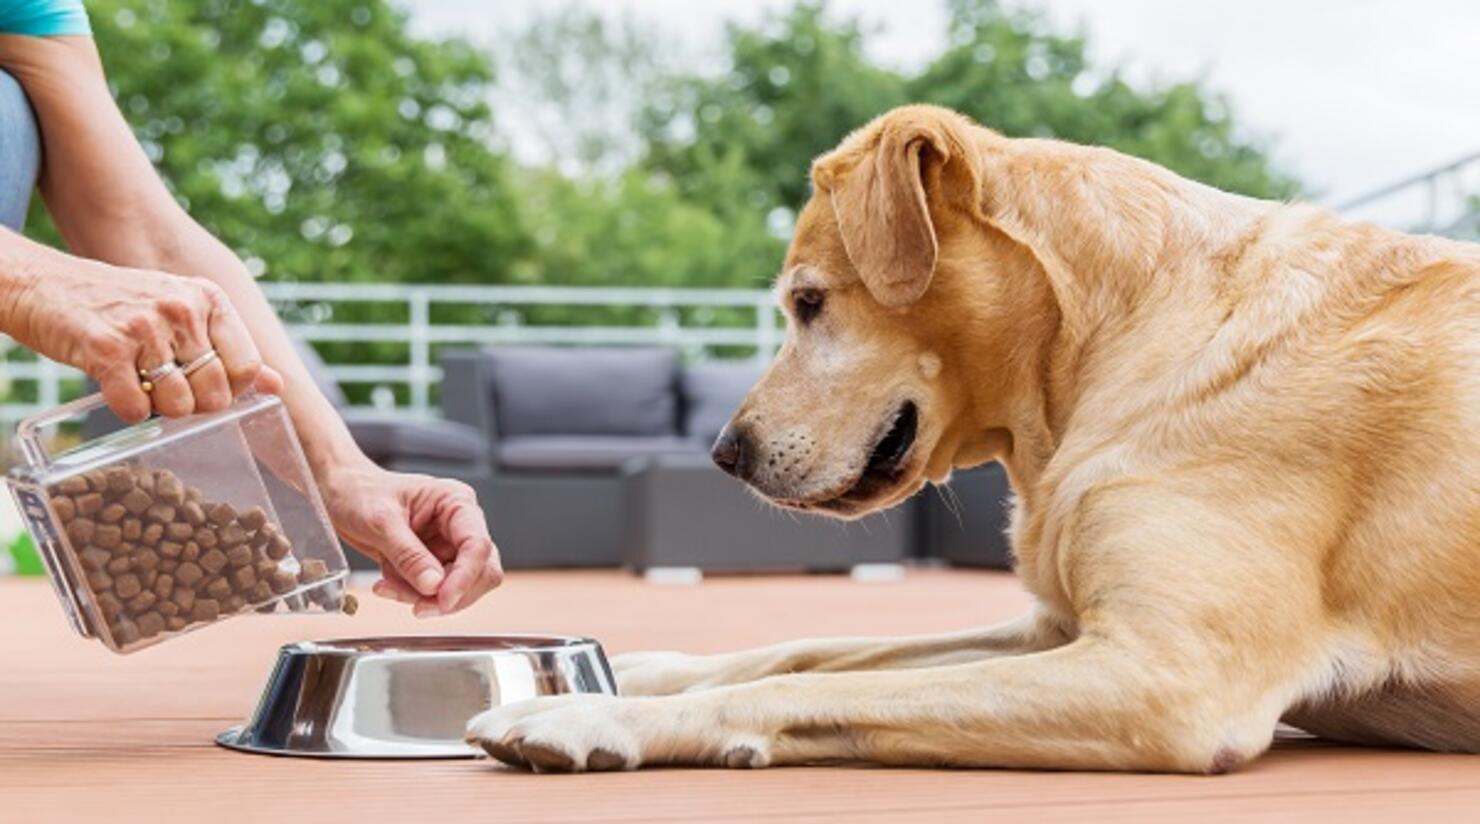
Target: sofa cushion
388,439
587,452
549,391
711,394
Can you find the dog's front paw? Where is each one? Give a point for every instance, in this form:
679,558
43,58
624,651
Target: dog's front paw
561,733
577,733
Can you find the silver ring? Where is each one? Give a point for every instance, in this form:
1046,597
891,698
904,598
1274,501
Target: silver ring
149,378
198,363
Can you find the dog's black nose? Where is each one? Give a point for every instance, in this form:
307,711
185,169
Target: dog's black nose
729,450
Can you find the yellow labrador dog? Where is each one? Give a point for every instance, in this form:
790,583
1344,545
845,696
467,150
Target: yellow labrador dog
1244,438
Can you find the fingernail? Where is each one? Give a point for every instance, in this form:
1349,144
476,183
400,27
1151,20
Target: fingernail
428,579
425,611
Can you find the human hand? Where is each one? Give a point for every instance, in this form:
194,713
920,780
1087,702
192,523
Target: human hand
428,534
112,322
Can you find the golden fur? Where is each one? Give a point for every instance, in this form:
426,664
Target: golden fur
1244,438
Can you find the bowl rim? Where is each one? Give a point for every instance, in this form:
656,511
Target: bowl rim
417,645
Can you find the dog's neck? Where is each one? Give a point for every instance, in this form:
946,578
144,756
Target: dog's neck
1095,229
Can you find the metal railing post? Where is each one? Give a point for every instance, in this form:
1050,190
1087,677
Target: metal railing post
420,304
48,383
765,330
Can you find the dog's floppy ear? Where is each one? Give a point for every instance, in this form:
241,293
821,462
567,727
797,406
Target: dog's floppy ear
881,205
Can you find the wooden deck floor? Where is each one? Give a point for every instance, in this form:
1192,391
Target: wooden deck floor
85,735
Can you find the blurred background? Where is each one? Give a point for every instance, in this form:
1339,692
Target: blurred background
417,177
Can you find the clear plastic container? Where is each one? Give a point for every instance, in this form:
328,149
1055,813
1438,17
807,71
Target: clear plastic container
174,524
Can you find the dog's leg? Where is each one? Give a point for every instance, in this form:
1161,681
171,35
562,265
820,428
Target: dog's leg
666,673
1090,705
1196,632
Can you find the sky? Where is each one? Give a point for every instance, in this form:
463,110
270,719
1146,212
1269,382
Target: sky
1351,94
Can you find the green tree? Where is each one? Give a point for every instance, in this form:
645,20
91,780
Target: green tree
318,138
802,80
1009,70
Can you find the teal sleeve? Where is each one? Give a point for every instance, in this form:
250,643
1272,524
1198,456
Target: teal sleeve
43,18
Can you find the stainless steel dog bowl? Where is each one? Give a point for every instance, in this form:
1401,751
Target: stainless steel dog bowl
407,697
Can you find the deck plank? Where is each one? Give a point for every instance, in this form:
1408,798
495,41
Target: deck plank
88,735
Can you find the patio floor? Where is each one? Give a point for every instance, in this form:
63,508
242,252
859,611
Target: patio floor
85,735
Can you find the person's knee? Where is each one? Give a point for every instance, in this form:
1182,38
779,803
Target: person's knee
20,152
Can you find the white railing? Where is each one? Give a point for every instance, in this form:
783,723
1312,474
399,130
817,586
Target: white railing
315,304
1439,201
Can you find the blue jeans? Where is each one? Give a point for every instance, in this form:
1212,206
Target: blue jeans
20,152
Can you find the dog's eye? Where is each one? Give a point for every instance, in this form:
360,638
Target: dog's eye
807,303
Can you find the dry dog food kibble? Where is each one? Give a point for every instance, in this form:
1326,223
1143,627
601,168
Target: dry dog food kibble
159,556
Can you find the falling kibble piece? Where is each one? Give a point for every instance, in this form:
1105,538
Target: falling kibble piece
350,605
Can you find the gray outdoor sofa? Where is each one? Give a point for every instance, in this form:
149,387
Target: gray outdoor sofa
600,457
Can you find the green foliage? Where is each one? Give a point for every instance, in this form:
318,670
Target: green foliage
317,137
801,81
1009,71
23,555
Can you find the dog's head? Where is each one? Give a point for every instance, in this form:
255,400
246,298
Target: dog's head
870,395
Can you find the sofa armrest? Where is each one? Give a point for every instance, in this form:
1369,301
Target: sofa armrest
467,391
